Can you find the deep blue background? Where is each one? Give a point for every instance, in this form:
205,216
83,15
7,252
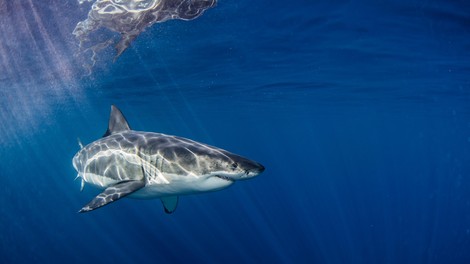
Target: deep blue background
360,111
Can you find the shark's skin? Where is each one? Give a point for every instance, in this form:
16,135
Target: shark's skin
149,165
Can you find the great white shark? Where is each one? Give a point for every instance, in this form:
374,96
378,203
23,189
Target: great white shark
149,165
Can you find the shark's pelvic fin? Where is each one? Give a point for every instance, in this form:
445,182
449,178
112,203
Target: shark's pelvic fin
170,203
80,143
112,194
117,122
82,184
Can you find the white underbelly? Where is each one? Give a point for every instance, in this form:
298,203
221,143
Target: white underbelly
181,186
98,180
171,186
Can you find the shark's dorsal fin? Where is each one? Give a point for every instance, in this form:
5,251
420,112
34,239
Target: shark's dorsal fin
117,122
169,203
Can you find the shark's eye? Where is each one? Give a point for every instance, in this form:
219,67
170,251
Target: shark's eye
234,166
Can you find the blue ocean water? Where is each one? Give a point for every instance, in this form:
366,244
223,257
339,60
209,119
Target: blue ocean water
359,110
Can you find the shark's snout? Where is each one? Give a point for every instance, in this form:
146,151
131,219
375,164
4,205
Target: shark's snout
250,167
260,168
255,169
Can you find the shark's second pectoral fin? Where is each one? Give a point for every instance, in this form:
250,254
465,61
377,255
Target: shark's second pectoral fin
170,203
112,194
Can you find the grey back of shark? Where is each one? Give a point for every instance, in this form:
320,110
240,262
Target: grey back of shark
149,165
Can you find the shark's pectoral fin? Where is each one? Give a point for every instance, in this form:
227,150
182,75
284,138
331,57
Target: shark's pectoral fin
112,194
170,203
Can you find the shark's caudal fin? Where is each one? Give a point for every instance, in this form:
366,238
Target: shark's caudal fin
112,194
170,203
117,122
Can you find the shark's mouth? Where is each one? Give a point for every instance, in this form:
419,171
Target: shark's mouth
224,178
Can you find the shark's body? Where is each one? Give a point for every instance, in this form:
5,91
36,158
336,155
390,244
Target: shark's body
150,165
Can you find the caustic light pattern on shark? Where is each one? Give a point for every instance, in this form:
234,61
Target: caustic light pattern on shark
150,165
